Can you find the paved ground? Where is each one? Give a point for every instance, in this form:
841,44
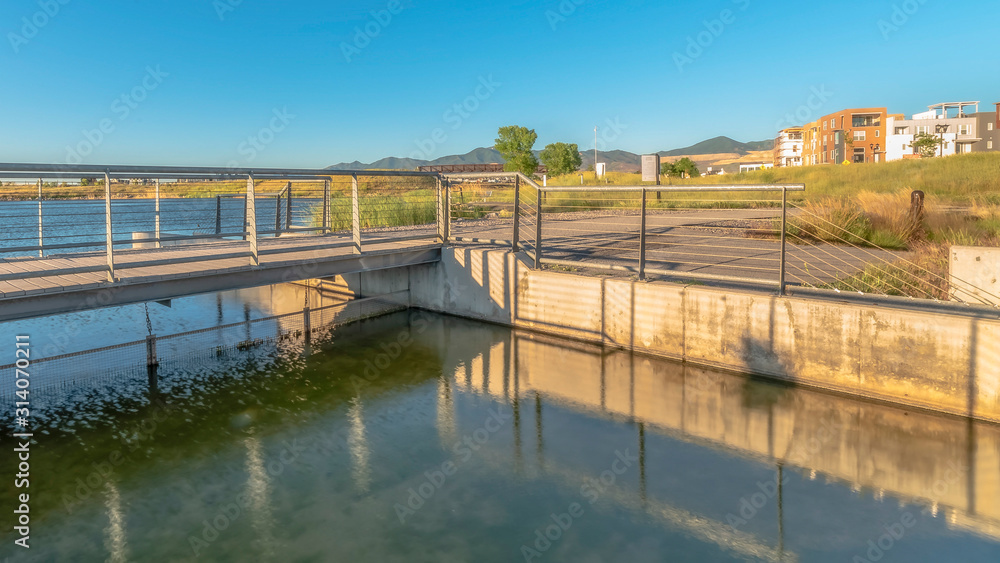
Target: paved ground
736,243
739,243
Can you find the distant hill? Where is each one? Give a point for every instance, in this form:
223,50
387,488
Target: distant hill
721,145
478,156
616,160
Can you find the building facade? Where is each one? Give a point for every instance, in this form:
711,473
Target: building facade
960,126
788,148
853,135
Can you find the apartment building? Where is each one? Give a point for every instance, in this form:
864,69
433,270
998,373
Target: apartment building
788,147
852,135
960,126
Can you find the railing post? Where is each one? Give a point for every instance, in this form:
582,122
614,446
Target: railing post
152,363
251,224
244,229
288,208
307,323
642,238
446,231
156,214
110,244
784,230
355,213
326,207
41,244
538,231
440,210
218,214
516,243
277,215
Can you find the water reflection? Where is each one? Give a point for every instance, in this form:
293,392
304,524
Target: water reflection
681,462
114,535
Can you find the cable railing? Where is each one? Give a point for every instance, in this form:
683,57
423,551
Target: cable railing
741,234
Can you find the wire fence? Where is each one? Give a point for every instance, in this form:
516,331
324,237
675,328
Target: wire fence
133,359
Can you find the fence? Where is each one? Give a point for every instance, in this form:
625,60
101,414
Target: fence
141,357
751,235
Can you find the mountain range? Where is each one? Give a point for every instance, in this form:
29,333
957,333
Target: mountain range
617,160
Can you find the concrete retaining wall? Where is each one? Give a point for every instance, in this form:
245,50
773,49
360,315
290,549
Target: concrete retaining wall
978,267
943,362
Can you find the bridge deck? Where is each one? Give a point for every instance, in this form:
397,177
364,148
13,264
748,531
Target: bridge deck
36,286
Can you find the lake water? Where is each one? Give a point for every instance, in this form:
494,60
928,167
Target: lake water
417,437
82,222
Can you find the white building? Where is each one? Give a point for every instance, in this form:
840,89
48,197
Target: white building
950,122
788,148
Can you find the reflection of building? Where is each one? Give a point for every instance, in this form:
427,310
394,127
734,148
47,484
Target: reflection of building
788,148
852,135
960,131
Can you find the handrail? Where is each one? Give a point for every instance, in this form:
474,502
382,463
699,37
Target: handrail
169,171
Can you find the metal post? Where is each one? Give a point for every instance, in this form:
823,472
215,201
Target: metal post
447,213
517,215
41,251
784,230
288,208
356,213
307,323
326,207
151,359
218,214
244,224
277,215
440,211
109,245
156,214
251,224
642,238
538,231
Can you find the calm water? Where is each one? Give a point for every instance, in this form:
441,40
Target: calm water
83,222
424,438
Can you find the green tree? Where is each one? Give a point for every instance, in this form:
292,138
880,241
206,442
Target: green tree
514,144
561,158
84,181
684,167
926,145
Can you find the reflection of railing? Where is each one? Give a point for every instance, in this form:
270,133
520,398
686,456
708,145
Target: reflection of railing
142,357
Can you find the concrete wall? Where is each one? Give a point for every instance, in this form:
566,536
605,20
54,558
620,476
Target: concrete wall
943,362
979,267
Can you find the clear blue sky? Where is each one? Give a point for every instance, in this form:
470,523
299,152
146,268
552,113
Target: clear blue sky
557,67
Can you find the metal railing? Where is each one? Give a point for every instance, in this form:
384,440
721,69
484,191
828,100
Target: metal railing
742,234
151,207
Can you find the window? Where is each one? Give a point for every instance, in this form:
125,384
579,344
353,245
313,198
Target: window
989,126
902,130
833,123
923,129
859,136
878,133
865,121
825,126
965,129
989,145
859,155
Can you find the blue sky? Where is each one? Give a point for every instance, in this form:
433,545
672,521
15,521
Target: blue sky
255,83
